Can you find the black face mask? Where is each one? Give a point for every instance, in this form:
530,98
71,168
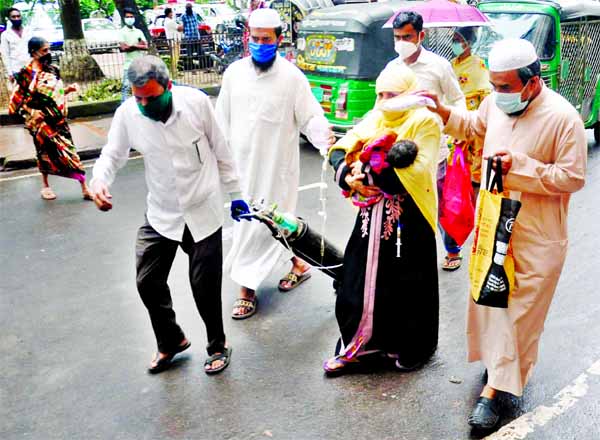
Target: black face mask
46,59
16,22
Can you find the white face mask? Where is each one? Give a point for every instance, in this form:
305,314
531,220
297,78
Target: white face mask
510,103
405,48
129,21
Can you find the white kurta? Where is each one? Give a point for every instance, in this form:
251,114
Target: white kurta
549,148
262,115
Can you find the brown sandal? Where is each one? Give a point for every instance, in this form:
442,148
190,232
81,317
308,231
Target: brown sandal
47,193
249,304
294,279
452,263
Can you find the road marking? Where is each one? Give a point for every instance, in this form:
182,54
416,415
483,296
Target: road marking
566,398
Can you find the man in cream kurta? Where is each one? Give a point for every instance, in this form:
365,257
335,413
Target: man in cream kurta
542,142
264,103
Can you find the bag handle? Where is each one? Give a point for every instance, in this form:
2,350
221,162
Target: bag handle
497,180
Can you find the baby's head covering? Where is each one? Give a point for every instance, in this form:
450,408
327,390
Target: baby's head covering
511,54
397,78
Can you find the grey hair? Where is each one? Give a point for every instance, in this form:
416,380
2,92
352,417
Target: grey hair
146,68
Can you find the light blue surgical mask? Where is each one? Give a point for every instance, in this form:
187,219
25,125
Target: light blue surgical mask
511,103
263,52
457,48
129,21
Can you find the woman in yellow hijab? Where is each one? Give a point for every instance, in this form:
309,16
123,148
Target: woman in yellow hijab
387,303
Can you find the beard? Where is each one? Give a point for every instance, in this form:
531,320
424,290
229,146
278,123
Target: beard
264,66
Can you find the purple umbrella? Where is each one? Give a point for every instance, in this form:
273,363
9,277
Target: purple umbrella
443,13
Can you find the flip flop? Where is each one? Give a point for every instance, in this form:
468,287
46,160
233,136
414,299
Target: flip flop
87,195
294,279
452,263
345,366
250,304
165,363
47,193
225,357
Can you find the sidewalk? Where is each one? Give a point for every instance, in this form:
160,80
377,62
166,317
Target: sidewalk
17,150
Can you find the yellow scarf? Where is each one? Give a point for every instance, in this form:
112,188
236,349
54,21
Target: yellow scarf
420,126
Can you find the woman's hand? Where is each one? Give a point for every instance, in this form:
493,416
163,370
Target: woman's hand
37,116
354,181
72,88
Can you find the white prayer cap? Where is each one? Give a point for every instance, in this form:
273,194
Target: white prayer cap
264,18
511,54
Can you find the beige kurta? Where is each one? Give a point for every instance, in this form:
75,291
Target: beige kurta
549,148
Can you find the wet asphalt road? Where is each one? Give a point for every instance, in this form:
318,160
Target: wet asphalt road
75,339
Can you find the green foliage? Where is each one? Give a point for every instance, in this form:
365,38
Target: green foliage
107,90
89,6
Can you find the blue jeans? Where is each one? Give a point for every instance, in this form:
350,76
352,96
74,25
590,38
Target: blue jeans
449,243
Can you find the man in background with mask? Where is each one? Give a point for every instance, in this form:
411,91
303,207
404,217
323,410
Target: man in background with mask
13,45
264,103
187,162
543,146
133,44
434,73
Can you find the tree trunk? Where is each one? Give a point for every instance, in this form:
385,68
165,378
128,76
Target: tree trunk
77,64
140,23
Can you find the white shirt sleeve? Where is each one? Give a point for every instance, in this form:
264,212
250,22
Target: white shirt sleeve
309,115
218,143
222,109
116,151
5,52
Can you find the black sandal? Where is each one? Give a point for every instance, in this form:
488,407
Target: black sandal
165,363
225,357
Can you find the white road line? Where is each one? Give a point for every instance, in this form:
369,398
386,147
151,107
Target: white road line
565,399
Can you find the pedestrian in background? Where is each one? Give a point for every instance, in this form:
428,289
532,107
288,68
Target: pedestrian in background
41,98
262,116
184,176
474,80
13,45
172,32
433,73
133,44
542,142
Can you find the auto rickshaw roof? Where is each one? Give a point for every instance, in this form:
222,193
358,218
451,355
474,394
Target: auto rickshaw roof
353,18
568,9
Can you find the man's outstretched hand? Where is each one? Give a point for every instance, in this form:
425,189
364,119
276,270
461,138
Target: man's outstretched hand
102,197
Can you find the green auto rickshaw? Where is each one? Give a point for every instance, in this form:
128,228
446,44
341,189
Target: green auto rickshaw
342,50
567,39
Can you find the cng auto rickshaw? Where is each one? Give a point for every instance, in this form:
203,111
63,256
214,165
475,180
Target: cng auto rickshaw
567,38
343,49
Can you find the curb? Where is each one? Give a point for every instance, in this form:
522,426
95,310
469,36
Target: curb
12,165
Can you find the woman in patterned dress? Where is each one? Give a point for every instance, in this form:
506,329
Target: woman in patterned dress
40,97
387,304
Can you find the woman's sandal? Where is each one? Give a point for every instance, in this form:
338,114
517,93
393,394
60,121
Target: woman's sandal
249,304
452,263
344,366
294,279
87,195
47,193
225,357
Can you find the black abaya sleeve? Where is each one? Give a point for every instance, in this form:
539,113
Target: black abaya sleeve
337,159
388,181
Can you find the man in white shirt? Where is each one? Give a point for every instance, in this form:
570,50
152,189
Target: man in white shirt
187,161
264,103
133,44
172,33
13,45
434,73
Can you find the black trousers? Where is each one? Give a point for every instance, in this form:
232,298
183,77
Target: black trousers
154,258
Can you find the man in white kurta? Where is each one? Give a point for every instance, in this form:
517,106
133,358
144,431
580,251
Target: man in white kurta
264,103
542,142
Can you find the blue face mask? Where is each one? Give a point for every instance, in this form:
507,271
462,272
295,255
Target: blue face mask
263,52
457,48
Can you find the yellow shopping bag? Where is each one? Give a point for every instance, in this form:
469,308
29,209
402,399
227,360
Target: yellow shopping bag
492,266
